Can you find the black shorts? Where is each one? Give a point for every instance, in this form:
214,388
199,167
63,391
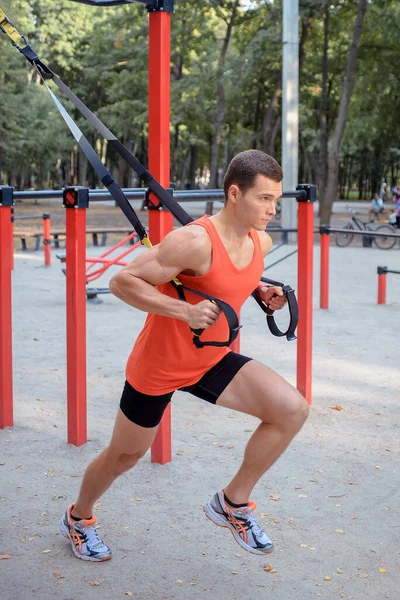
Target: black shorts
147,411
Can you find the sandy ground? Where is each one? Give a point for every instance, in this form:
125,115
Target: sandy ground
331,503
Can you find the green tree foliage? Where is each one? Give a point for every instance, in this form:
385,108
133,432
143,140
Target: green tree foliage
101,53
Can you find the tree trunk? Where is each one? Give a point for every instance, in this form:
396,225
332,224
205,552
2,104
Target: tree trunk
323,140
268,117
221,98
330,194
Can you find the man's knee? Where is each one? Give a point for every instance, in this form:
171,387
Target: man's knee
121,462
292,413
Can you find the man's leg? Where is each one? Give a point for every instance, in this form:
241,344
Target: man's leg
257,390
128,444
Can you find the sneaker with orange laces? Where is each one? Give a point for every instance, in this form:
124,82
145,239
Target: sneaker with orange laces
85,542
241,522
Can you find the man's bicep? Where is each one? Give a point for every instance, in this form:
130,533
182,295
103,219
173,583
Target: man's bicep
154,267
179,250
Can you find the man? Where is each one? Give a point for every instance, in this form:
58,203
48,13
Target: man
376,208
222,256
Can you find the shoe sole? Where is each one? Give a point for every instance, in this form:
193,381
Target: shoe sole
65,533
221,522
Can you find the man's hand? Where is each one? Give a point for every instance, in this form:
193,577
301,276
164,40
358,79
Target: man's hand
202,315
272,295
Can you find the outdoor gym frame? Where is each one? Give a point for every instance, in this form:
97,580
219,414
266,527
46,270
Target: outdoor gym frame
160,223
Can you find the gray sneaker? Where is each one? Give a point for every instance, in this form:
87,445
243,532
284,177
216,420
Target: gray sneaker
241,522
85,542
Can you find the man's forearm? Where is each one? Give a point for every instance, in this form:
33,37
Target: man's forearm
142,295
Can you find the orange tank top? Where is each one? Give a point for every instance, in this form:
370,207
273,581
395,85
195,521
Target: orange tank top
164,357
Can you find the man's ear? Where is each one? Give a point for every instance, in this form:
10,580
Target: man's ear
233,193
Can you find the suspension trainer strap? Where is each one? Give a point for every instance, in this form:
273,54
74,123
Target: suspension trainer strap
45,73
293,310
227,310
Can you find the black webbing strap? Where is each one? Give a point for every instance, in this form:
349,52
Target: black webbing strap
227,310
293,310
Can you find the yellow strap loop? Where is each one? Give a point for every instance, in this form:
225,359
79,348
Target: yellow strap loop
10,30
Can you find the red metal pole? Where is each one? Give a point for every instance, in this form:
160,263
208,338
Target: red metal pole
305,297
160,222
324,268
382,281
46,240
76,324
6,264
12,238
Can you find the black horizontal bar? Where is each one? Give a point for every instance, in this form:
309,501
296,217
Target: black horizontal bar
365,232
280,260
139,193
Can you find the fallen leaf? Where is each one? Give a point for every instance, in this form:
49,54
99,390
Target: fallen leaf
303,546
180,452
234,572
336,407
338,504
179,581
46,551
382,570
320,470
362,575
339,571
238,555
303,496
377,467
319,584
128,593
319,435
269,569
5,556
214,443
274,497
58,575
94,583
311,548
339,531
352,482
327,578
353,517
230,447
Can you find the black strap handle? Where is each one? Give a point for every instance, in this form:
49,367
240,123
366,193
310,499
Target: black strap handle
229,314
293,310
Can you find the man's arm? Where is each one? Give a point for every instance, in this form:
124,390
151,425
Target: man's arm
273,296
184,249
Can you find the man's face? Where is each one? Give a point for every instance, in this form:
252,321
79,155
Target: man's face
256,207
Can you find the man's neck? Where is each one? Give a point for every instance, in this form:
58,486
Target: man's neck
229,228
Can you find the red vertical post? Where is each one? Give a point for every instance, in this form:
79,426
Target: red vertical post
324,266
46,240
12,238
6,265
382,277
74,201
160,222
305,291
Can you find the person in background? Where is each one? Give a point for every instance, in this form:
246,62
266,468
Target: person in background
376,207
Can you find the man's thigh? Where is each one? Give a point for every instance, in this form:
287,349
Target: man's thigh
257,390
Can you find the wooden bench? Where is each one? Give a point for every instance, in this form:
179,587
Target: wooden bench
58,234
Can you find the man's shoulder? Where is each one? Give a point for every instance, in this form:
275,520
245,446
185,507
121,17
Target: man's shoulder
189,241
265,241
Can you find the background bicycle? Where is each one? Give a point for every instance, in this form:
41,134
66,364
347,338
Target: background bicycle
346,237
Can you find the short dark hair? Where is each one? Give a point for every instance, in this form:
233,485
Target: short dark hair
245,166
